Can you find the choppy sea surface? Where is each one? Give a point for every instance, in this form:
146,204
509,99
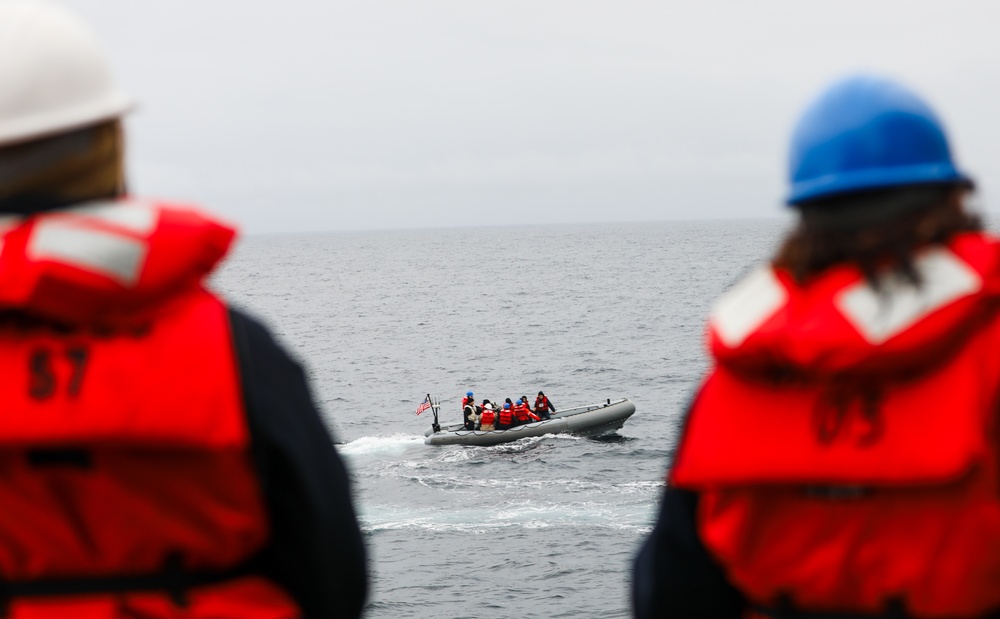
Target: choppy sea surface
543,527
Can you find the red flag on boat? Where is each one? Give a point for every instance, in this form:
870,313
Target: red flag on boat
424,406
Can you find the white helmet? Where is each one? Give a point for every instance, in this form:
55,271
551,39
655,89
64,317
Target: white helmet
54,76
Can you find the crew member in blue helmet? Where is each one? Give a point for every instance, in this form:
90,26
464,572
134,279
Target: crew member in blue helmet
469,412
505,418
841,457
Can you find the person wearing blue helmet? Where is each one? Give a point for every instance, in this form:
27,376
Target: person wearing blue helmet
470,412
841,457
505,418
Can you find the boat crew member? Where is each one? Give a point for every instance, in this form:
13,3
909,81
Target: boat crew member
505,418
522,414
543,406
162,454
531,414
471,415
841,457
487,419
468,411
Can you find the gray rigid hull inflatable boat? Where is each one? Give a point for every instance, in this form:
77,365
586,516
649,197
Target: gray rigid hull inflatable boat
592,420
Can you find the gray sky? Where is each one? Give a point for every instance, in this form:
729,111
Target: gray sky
310,115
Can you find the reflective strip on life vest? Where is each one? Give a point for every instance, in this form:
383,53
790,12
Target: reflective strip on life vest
944,278
743,309
133,216
100,237
116,256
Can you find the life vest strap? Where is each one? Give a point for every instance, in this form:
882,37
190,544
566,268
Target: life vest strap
174,580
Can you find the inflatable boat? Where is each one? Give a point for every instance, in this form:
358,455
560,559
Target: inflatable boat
593,420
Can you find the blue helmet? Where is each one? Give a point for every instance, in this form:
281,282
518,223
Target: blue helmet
506,404
867,133
468,394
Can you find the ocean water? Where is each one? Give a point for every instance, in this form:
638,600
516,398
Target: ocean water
543,527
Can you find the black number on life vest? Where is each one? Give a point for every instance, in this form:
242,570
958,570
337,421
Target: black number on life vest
77,356
42,378
855,415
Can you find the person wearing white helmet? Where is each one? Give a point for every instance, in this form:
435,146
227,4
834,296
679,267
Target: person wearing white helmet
162,455
59,111
840,458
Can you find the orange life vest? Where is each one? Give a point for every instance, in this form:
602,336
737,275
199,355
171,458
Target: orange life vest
541,404
521,412
506,416
124,445
488,417
847,451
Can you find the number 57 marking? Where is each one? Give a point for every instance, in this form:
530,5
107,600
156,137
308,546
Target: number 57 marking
43,382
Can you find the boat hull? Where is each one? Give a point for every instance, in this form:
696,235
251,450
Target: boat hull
592,420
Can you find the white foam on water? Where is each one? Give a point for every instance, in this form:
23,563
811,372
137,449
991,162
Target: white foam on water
640,487
423,471
564,437
456,455
398,444
394,444
526,514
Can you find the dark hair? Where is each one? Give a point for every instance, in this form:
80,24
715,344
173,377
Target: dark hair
874,230
57,171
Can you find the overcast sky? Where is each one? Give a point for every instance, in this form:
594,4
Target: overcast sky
313,115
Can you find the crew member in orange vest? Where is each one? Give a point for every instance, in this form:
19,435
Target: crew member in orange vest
543,406
487,419
841,456
162,455
531,414
505,418
523,414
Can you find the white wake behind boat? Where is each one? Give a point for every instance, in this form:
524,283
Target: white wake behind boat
592,420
